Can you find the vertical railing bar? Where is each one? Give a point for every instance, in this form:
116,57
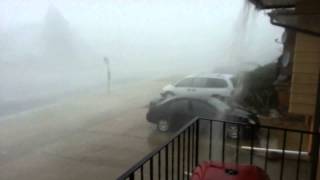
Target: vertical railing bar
314,155
159,165
252,143
197,143
166,163
315,138
151,168
267,150
141,173
131,176
299,156
210,142
238,144
178,159
188,153
223,140
172,159
192,147
283,153
183,153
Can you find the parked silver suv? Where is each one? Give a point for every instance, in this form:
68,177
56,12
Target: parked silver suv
202,85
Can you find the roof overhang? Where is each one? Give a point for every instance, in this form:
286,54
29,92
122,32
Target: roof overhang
308,23
274,4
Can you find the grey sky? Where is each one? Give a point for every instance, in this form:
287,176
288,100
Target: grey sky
141,37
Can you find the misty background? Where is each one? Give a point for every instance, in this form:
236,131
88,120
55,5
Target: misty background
51,49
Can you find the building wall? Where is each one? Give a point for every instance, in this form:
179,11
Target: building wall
306,63
305,74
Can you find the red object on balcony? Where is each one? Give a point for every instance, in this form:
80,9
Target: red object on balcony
210,170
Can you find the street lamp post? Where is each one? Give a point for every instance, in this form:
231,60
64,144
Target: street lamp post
106,60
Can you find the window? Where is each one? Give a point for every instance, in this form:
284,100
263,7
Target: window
179,106
202,109
216,83
199,82
185,83
221,106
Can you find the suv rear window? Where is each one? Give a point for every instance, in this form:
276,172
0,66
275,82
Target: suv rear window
216,83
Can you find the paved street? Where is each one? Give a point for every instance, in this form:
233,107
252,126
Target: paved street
93,136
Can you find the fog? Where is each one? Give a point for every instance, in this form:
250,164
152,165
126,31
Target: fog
50,49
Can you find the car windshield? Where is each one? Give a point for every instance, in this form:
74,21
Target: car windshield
221,106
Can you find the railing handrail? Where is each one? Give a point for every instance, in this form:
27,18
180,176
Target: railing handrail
263,126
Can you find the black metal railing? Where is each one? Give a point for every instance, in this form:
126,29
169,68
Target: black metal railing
283,153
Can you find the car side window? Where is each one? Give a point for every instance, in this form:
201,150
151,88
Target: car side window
199,82
216,83
180,106
185,83
202,109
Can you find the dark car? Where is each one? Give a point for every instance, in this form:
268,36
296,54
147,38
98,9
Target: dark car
172,113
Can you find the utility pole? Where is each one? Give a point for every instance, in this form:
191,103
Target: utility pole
106,60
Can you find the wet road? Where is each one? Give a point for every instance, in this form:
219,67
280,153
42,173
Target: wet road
93,136
97,136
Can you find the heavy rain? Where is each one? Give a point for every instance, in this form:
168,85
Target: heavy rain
79,79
